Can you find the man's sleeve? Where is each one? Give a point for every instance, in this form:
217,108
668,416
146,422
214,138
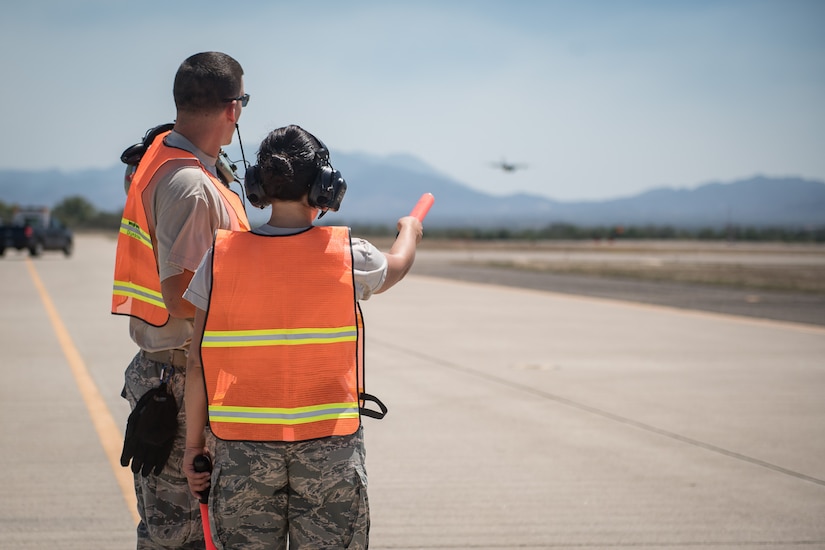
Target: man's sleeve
200,286
184,222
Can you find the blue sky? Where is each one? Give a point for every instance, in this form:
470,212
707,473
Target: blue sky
600,99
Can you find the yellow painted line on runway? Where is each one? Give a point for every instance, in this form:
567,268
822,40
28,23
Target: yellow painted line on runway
107,431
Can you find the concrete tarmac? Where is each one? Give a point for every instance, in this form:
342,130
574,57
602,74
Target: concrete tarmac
518,418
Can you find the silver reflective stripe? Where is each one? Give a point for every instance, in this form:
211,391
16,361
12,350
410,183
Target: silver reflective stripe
123,288
132,229
266,415
278,337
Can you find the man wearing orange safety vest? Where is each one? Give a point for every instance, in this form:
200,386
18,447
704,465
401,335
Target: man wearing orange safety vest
280,372
174,204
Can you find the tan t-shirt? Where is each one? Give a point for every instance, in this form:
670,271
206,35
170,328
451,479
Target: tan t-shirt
185,211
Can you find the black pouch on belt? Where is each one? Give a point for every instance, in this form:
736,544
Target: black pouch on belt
150,431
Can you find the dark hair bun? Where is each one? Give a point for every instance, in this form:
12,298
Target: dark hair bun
277,164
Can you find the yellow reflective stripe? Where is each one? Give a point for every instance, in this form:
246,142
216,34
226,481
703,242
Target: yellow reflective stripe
137,292
133,230
278,337
284,416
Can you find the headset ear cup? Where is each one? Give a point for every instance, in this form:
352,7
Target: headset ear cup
254,189
327,191
320,191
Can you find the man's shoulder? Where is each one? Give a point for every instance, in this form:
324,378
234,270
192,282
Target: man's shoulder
183,184
183,174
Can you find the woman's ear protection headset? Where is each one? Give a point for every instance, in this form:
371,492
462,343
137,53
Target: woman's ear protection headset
326,192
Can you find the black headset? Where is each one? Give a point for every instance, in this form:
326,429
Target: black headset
132,156
326,192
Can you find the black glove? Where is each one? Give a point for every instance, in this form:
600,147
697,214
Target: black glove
150,431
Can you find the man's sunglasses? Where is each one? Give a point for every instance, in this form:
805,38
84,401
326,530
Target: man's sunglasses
244,99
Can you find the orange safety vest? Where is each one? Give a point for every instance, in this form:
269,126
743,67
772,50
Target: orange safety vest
280,349
136,289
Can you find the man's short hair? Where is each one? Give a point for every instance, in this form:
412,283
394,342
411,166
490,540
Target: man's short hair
205,81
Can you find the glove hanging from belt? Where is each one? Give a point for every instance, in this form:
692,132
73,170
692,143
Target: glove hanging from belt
150,431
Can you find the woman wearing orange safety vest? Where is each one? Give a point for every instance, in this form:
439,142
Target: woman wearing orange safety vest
280,371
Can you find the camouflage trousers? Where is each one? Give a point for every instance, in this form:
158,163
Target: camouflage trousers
169,514
310,493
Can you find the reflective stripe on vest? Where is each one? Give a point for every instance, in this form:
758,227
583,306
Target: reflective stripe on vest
131,290
132,229
136,290
280,344
281,337
286,417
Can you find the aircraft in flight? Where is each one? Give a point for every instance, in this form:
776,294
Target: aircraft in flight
508,166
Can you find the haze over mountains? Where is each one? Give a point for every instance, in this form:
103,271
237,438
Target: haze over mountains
381,189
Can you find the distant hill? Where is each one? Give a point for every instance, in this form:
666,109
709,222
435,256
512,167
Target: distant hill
102,187
753,202
381,189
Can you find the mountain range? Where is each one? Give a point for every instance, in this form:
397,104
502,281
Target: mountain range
382,189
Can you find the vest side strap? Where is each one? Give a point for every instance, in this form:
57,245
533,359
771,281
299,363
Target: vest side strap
369,412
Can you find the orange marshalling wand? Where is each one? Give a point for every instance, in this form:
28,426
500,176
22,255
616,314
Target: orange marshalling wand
423,206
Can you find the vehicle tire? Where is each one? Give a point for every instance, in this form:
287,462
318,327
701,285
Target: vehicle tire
36,249
2,250
67,248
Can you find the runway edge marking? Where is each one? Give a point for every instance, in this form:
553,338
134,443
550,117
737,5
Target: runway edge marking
110,436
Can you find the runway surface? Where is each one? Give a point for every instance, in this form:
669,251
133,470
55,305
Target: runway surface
519,418
477,264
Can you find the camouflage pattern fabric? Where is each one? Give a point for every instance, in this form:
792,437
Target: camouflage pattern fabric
169,514
313,493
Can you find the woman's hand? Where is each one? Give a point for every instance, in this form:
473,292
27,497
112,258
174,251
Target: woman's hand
413,225
198,481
